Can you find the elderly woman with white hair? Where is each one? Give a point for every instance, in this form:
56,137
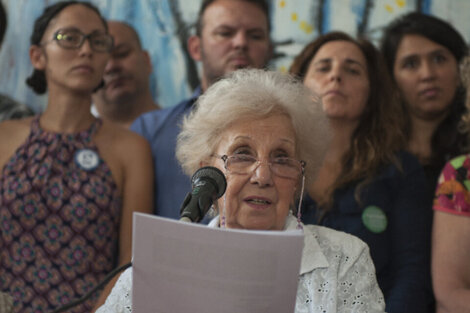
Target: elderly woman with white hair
264,132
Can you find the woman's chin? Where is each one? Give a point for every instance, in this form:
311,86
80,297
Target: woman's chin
258,224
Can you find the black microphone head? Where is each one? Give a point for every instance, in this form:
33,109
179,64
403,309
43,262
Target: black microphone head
213,173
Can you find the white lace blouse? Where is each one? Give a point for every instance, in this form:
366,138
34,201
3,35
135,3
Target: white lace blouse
336,275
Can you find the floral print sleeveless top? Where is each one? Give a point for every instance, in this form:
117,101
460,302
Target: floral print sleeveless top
453,187
59,218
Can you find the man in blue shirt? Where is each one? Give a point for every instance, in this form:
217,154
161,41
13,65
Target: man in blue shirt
230,35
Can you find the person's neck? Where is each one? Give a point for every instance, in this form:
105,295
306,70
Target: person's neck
204,84
127,110
331,167
419,143
342,132
67,112
146,104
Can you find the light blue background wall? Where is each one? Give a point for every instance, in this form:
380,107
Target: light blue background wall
164,25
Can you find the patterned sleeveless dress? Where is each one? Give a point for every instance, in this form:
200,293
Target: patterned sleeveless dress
59,219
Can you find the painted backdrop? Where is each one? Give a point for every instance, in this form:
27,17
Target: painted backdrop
165,24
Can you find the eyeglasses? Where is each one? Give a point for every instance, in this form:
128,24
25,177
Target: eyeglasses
280,166
74,39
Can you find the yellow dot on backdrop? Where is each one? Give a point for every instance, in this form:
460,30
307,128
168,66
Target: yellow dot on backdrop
283,69
282,4
294,17
388,8
306,27
400,3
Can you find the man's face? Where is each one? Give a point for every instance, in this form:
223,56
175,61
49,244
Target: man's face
234,35
127,72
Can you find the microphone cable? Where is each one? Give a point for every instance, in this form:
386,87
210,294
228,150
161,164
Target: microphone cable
106,279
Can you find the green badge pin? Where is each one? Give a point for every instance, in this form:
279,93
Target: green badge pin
374,219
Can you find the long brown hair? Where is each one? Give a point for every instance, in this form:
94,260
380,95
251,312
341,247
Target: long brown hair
447,141
378,136
464,124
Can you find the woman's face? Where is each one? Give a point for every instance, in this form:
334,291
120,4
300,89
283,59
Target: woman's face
338,74
259,199
78,69
427,75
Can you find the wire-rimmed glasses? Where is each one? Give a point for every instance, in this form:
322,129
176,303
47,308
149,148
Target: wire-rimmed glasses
74,39
280,166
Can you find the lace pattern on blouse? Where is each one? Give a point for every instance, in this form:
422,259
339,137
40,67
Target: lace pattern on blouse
348,284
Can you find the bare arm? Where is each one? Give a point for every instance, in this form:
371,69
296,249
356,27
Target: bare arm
450,262
137,196
12,134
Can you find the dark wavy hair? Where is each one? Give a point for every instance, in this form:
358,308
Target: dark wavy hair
446,141
464,125
378,137
37,80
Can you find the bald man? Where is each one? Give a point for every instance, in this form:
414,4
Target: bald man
126,92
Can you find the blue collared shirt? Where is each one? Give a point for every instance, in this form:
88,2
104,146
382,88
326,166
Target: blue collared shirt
160,128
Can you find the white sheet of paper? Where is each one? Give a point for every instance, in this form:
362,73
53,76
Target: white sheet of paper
189,268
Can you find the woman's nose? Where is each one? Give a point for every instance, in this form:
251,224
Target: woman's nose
335,75
262,174
86,47
427,70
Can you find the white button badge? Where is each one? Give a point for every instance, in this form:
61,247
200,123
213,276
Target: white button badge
87,159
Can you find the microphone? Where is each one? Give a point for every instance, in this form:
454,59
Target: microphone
208,184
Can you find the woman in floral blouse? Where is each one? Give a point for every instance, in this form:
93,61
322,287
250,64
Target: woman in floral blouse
451,229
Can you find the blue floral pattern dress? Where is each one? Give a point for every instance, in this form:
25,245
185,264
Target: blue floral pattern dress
58,220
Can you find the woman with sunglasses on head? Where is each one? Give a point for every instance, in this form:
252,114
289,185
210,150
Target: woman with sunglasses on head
69,182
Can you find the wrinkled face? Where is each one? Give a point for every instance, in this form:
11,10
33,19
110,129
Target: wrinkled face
427,75
78,69
259,199
234,35
338,74
127,71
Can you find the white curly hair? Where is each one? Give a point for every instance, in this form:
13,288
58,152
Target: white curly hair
252,94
